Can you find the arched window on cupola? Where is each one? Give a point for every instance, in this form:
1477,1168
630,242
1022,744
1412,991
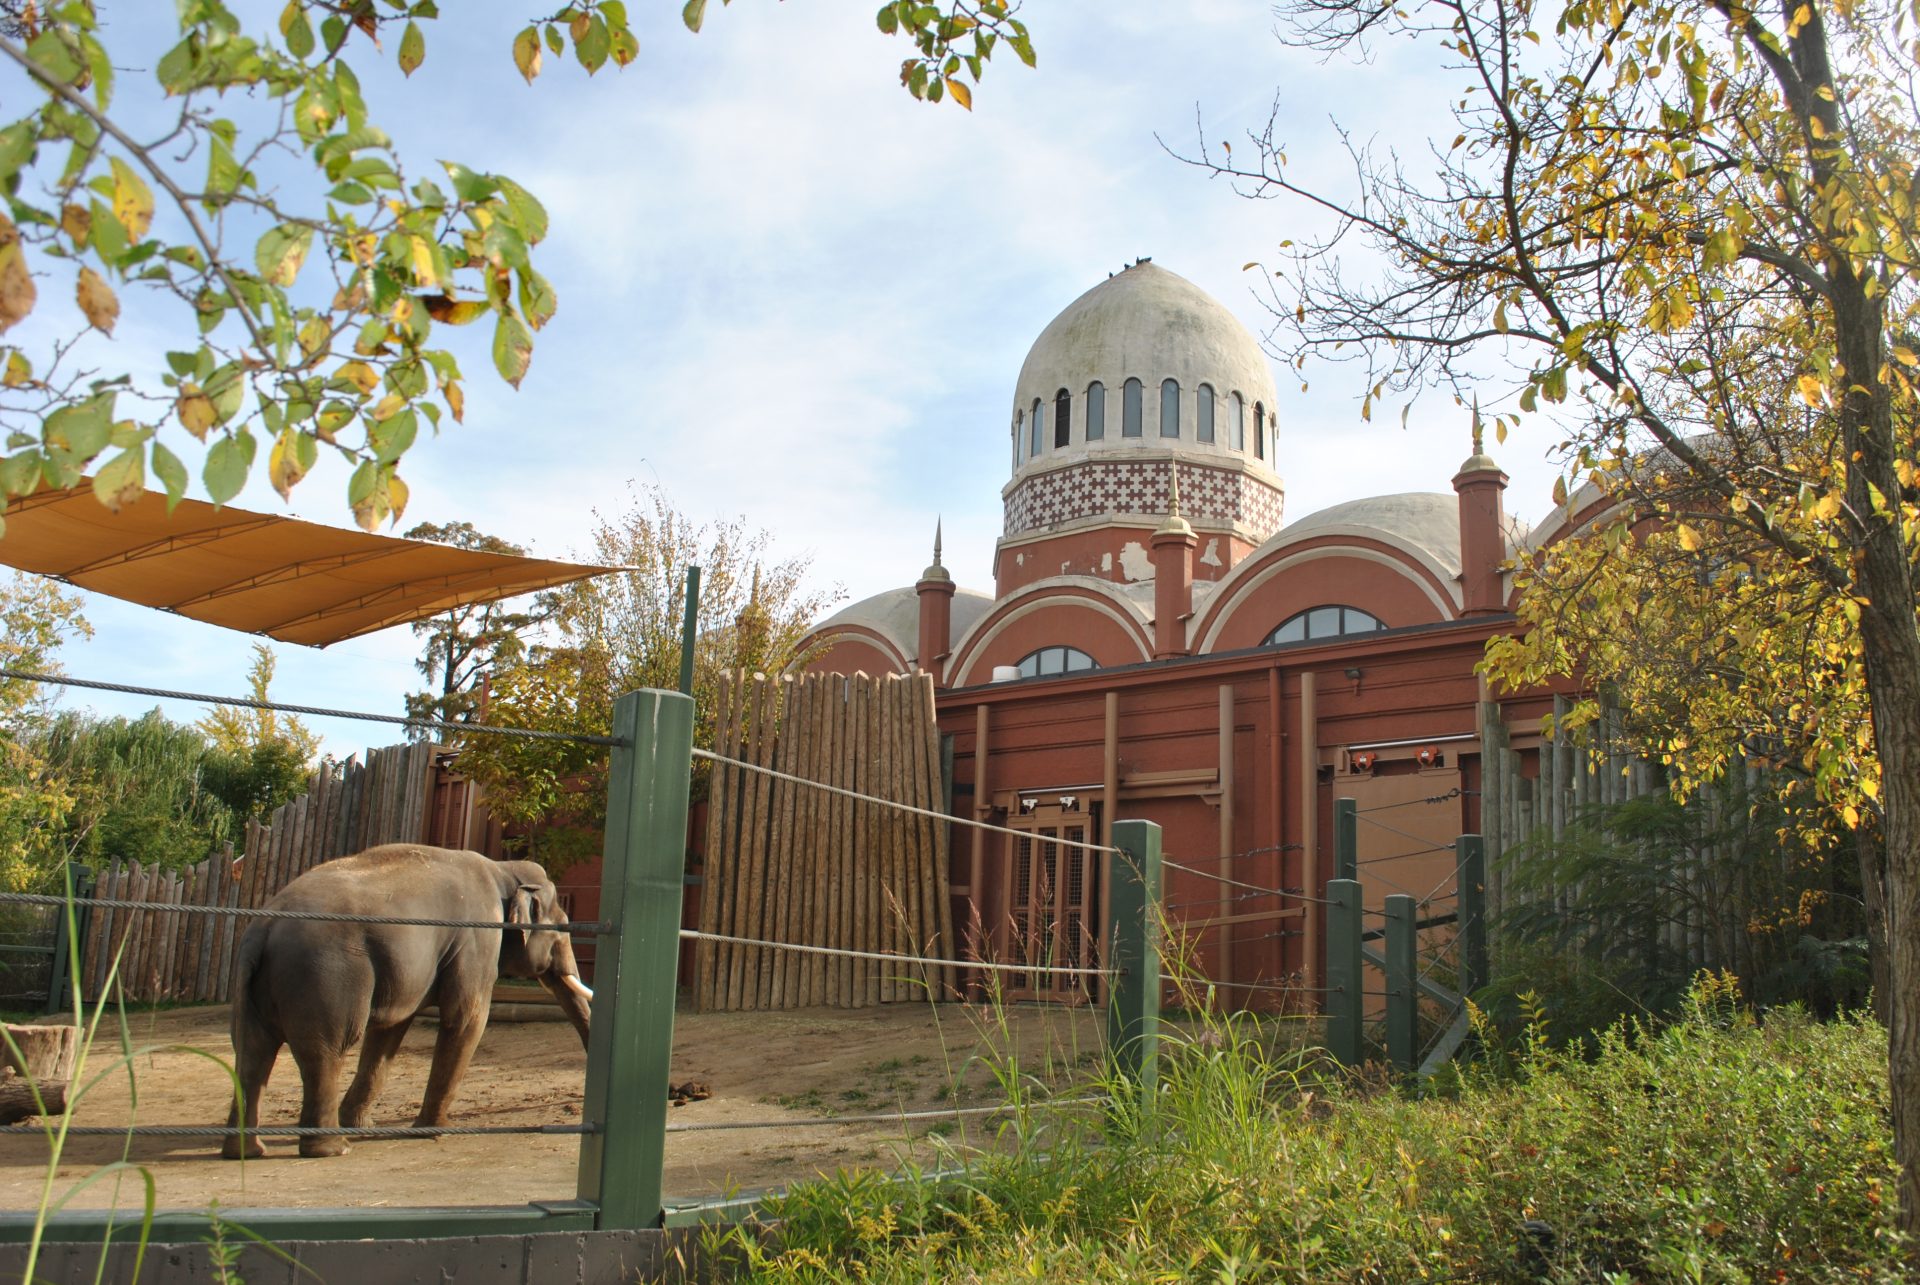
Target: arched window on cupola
1062,418
1259,431
1048,661
1239,423
1096,411
1130,395
1169,408
1019,422
1317,623
1035,439
1203,401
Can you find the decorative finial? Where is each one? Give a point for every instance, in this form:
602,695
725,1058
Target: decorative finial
1175,524
1477,432
936,571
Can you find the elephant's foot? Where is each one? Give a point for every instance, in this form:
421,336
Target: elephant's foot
318,1148
254,1149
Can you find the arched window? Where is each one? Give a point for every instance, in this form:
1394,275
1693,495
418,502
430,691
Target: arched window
1203,398
1062,418
1324,622
1239,423
1019,422
1169,408
1034,439
1130,409
1096,411
1055,660
1259,431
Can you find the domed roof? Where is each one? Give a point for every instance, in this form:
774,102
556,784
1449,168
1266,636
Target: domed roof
1150,324
1424,521
894,614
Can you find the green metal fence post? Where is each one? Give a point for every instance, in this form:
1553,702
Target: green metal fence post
689,631
635,967
1475,969
1344,1000
1346,840
1133,1005
1403,1001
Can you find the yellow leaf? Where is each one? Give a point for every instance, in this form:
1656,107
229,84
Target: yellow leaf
456,402
423,262
1870,787
19,371
97,301
77,222
1905,356
1689,538
386,408
1810,390
961,94
17,292
132,200
397,494
283,465
363,376
1826,507
196,411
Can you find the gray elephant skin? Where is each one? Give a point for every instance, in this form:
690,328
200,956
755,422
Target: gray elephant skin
319,987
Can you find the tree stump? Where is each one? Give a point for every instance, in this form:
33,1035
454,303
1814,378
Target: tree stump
45,1059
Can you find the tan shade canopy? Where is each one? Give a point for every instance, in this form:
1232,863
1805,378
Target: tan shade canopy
295,581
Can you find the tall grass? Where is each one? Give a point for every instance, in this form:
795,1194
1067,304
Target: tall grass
1719,1148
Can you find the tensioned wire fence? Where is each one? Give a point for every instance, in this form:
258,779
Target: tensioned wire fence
622,1132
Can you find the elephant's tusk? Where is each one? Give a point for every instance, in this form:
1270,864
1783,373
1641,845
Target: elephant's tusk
578,987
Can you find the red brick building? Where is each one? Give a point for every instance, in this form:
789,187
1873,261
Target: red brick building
1161,642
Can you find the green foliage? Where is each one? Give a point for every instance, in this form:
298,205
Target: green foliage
616,634
459,647
240,729
253,781
301,305
138,790
1717,1149
1613,918
36,616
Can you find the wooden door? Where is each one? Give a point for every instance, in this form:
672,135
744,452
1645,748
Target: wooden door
1054,903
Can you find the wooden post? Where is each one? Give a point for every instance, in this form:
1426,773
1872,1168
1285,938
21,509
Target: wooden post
1310,830
1346,840
636,966
689,630
1344,1001
1471,850
1403,1002
1227,863
1133,1012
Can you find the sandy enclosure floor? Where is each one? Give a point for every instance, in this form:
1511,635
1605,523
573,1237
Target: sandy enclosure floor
788,1066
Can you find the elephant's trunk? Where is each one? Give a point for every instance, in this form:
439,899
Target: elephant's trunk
562,981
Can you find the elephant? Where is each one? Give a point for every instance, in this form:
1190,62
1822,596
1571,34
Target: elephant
322,986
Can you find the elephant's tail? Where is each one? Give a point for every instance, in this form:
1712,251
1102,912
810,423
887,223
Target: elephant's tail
246,965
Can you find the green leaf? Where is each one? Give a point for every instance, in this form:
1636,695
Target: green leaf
529,216
391,437
413,48
694,14
537,299
81,431
296,29
281,251
467,185
592,47
512,349
16,146
171,472
226,389
226,470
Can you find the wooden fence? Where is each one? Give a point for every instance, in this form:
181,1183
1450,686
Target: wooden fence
785,862
188,957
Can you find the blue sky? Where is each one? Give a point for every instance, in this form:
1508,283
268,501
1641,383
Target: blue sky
789,292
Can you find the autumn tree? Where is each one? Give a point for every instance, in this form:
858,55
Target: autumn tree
461,645
302,302
1689,230
36,617
618,633
242,727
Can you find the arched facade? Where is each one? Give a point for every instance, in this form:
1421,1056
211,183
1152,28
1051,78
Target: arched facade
1143,537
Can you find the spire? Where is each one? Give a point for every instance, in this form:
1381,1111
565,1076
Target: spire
935,570
1479,461
1175,524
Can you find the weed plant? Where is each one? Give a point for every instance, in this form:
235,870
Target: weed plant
1716,1148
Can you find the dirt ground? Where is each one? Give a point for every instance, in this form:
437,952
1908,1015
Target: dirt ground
785,1067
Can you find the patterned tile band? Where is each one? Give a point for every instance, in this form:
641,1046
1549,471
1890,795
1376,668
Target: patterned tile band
1094,487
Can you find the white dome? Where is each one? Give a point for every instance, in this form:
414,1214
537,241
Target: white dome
1149,324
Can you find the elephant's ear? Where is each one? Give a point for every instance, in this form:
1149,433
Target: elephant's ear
524,906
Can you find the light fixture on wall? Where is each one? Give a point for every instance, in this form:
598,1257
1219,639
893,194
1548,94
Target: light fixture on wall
1427,755
1027,806
1071,802
1353,672
1362,760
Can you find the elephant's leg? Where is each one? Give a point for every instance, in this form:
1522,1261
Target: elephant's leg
320,1068
258,1050
377,1050
459,1036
